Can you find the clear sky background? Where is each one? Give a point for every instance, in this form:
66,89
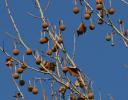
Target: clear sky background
103,63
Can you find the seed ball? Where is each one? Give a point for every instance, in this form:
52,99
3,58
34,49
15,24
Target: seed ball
60,40
16,51
49,52
92,26
35,90
38,60
62,27
62,89
30,88
111,11
99,1
72,97
100,21
87,16
24,66
108,37
28,51
90,95
65,69
15,75
76,10
21,82
82,29
54,49
99,6
20,70
80,97
45,25
43,40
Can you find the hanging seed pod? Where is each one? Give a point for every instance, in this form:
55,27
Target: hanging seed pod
65,69
29,51
76,10
55,48
49,52
16,51
72,97
62,89
9,62
20,70
99,1
43,40
67,85
87,16
21,82
60,40
17,94
41,68
23,65
81,29
15,75
92,26
35,90
100,21
52,66
30,87
62,27
99,6
111,11
45,25
108,37
90,95
38,61
80,97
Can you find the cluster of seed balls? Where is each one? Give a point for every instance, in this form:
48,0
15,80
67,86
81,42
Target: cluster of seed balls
87,15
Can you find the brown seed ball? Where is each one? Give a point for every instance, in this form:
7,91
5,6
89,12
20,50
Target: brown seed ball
62,89
90,95
30,87
45,25
21,82
24,66
99,6
72,97
76,10
28,51
81,98
43,40
108,37
35,90
62,27
87,16
60,40
16,51
54,49
65,69
81,29
100,21
99,1
20,70
49,52
15,75
111,11
38,60
92,26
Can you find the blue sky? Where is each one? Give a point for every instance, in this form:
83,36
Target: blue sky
103,63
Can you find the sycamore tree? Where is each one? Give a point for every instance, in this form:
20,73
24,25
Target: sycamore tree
40,40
